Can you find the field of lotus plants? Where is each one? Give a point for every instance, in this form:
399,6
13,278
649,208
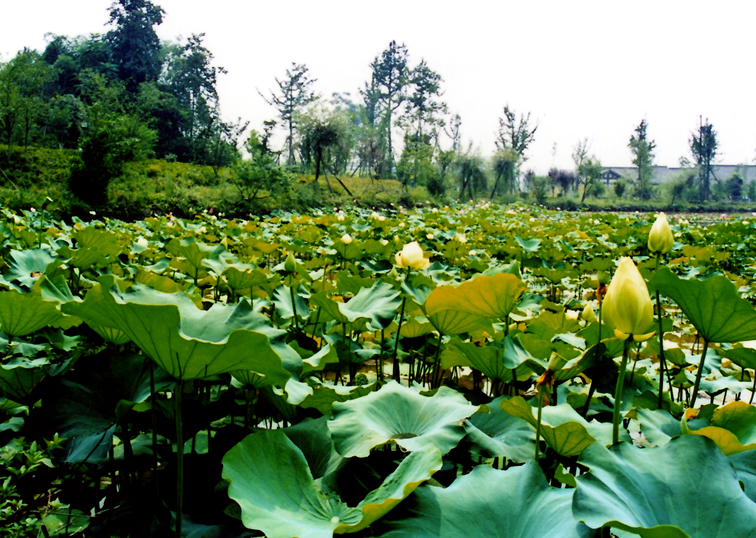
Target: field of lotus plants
473,371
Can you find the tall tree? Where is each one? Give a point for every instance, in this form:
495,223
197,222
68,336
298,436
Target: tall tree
389,83
643,158
587,169
134,42
424,106
191,79
514,138
703,146
294,94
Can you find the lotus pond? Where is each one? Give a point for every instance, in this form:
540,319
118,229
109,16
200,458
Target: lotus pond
415,373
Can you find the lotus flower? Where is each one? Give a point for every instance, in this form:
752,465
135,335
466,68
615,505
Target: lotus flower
627,306
412,257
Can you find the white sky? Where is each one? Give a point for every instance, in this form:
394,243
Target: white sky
583,69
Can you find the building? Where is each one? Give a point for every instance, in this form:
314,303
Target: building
663,174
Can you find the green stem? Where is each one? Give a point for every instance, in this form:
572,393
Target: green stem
436,374
179,460
753,389
294,308
699,373
538,424
619,389
397,372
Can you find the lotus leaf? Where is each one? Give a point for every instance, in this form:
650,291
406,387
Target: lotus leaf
516,503
272,482
186,342
485,296
684,489
400,415
24,313
713,306
497,433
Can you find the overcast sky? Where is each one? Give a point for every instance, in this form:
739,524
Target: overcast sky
583,69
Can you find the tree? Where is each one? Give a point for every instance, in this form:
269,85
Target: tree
134,44
643,156
471,173
733,186
703,146
191,79
388,89
294,95
260,176
564,179
514,138
587,169
424,107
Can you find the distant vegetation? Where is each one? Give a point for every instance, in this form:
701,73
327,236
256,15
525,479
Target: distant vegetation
125,124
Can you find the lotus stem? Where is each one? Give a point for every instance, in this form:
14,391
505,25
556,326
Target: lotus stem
294,308
436,373
619,389
699,373
538,423
753,389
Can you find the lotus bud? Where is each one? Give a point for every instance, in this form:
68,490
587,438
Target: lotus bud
384,242
627,306
572,314
660,239
346,239
588,314
290,264
412,257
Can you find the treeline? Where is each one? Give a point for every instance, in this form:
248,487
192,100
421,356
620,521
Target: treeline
125,95
117,97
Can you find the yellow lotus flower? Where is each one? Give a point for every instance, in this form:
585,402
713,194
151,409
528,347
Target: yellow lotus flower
412,257
346,239
588,313
660,238
627,306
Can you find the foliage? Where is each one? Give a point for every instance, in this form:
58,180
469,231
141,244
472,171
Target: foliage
278,335
643,157
703,146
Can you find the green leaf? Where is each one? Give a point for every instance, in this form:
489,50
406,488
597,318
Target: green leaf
684,489
272,482
713,306
497,433
19,376
187,342
485,296
400,415
562,427
516,503
24,313
733,428
378,304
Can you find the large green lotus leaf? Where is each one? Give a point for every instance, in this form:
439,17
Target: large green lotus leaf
496,434
272,483
516,503
733,428
24,313
400,415
745,357
745,468
713,306
242,277
528,245
450,322
486,296
684,489
415,327
26,266
322,396
19,376
187,342
284,306
103,240
658,426
562,427
378,304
